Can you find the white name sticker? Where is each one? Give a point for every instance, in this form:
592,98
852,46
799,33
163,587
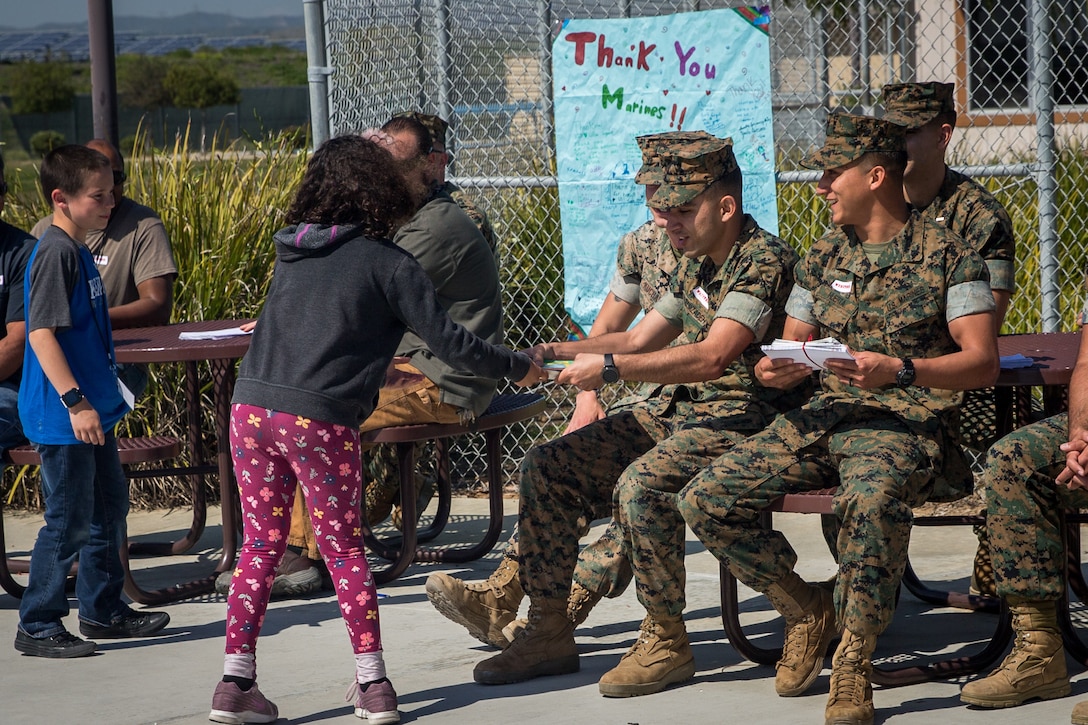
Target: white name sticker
702,296
101,260
843,286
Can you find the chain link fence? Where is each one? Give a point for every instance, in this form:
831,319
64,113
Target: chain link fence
1022,94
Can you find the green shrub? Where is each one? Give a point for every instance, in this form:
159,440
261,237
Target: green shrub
45,141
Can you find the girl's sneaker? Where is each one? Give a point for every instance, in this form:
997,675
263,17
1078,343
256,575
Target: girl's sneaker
375,702
232,705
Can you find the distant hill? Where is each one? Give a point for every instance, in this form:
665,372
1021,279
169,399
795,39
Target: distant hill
196,23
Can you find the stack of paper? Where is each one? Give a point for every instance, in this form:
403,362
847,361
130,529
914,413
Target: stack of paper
814,353
214,334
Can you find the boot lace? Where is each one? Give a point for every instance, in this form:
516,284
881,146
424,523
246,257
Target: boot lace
847,675
793,648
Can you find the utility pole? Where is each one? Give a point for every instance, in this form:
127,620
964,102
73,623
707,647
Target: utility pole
103,70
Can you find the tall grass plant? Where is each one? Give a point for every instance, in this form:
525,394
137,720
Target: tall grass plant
220,210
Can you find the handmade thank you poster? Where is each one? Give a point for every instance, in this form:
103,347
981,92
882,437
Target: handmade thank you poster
617,79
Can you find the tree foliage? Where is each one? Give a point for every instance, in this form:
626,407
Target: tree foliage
41,87
200,85
141,81
43,142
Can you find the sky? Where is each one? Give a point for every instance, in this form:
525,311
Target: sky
31,14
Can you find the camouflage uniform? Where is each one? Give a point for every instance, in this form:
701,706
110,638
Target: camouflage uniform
1022,505
705,419
882,446
658,442
968,209
645,262
962,204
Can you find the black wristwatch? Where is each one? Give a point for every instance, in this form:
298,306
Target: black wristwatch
905,377
72,398
610,373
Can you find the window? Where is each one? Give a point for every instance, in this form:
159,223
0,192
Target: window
999,42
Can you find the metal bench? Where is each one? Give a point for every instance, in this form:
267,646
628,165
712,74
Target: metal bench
820,502
504,410
152,449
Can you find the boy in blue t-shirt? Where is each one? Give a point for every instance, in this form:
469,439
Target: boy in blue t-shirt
69,402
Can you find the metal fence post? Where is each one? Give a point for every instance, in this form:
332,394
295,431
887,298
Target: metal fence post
1041,78
443,62
317,71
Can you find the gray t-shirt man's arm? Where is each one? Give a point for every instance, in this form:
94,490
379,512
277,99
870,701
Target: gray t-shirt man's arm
465,275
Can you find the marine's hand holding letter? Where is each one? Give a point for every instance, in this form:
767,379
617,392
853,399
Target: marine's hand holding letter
781,374
584,371
867,369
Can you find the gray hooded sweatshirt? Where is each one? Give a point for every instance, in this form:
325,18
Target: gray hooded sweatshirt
338,305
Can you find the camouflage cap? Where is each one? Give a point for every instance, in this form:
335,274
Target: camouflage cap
916,104
435,125
682,164
850,137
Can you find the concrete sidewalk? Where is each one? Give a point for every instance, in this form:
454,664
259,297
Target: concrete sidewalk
305,662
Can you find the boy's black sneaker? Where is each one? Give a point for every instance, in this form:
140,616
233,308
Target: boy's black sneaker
133,624
60,646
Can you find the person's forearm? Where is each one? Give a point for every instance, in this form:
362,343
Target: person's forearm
613,342
140,313
51,357
11,356
680,364
1078,399
958,371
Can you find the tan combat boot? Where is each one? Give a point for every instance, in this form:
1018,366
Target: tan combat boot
809,612
1080,713
579,605
483,608
545,647
1034,669
661,656
851,698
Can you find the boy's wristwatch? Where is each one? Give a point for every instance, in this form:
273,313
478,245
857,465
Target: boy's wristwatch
72,398
610,373
905,377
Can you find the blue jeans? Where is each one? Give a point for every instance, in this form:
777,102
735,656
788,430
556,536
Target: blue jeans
86,502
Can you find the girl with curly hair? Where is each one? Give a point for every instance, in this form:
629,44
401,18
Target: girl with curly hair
341,297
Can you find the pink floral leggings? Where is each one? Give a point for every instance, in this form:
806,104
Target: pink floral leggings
272,451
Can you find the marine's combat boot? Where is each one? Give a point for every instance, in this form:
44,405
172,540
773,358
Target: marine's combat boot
579,605
545,647
851,698
1080,713
483,608
809,612
1036,666
661,656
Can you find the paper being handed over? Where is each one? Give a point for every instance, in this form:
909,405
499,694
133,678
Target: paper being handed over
814,353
